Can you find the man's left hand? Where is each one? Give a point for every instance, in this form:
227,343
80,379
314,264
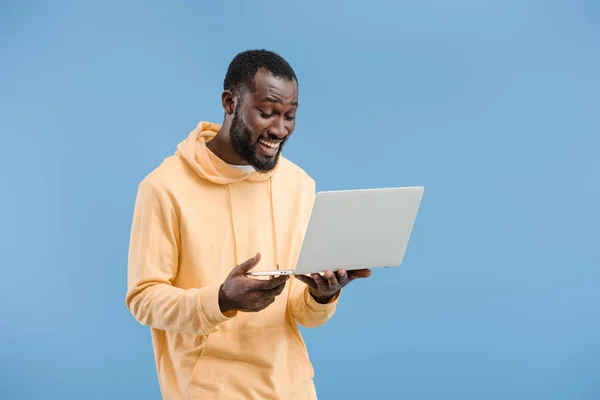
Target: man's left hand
324,287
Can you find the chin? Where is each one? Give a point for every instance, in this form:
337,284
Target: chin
264,164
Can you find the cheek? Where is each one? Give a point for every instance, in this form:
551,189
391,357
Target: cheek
257,126
290,126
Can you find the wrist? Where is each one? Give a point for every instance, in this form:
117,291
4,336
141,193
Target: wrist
224,305
322,299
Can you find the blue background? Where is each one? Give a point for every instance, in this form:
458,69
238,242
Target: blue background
493,106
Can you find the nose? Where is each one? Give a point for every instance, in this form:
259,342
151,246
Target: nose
278,128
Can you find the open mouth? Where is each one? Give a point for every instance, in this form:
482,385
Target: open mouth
268,147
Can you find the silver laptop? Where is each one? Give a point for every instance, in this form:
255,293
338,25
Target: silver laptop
355,229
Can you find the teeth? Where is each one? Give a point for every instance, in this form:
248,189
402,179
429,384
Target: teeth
269,144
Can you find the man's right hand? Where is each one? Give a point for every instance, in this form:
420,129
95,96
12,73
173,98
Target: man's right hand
241,293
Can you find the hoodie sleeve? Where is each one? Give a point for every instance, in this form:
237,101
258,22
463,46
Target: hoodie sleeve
152,267
305,309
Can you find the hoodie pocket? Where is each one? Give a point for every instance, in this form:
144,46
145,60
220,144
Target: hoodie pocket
203,383
268,363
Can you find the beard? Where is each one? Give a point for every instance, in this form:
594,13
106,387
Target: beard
243,144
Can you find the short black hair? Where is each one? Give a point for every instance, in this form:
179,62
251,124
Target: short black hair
246,64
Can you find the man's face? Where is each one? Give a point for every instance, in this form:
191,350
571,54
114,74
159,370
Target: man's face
263,120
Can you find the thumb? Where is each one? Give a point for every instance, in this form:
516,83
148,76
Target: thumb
359,273
307,280
246,265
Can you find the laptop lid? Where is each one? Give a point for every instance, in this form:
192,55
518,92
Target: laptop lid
355,229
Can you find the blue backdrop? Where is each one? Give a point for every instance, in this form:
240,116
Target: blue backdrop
491,105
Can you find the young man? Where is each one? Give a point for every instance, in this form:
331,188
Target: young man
224,204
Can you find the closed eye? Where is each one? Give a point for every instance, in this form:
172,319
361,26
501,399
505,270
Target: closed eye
264,114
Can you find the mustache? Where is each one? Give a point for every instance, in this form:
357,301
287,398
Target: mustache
272,138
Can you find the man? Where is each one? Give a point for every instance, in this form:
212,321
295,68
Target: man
224,204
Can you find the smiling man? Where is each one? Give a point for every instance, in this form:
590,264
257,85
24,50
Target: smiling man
226,203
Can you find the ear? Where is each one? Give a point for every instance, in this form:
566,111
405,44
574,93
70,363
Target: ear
228,102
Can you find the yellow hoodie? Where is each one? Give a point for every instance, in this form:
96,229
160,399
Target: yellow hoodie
195,219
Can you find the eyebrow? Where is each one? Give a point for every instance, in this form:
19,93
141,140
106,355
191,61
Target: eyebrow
278,101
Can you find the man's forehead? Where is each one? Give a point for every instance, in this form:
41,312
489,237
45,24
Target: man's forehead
269,88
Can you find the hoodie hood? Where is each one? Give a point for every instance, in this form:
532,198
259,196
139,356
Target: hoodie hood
206,164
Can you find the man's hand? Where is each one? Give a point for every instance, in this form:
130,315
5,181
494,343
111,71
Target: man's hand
241,293
323,288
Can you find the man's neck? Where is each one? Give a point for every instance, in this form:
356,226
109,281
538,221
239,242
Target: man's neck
221,147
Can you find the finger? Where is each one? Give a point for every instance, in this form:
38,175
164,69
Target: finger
307,280
268,297
272,293
247,265
359,273
331,279
260,308
264,305
272,283
319,279
343,278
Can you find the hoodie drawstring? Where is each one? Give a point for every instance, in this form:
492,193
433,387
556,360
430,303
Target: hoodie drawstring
273,223
230,204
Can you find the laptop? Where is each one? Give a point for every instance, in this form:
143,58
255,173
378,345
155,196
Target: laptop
356,229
